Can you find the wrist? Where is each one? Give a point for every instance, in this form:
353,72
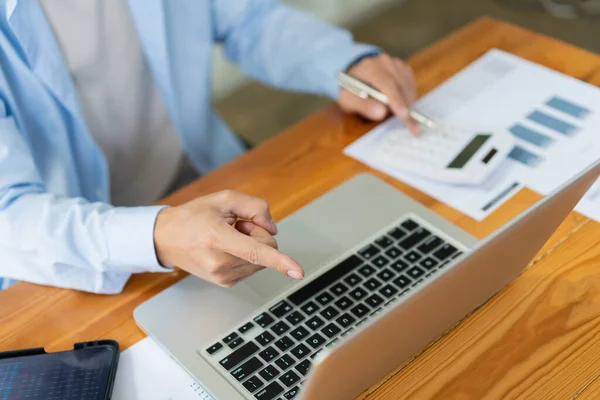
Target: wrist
162,236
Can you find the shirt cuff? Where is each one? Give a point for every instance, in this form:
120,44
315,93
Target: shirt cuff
130,237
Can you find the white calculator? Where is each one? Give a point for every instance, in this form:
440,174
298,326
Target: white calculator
445,153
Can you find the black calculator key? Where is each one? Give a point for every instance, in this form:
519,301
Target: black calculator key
239,355
246,369
345,320
295,318
444,252
372,284
303,367
280,328
264,338
253,383
300,351
399,265
384,242
268,373
329,313
299,333
330,330
429,244
285,361
235,343
339,289
324,298
268,354
230,337
415,238
309,308
343,303
402,281
281,308
292,393
456,255
388,291
366,271
360,310
397,233
246,327
284,343
315,322
412,257
264,320
415,272
429,263
369,251
352,279
315,341
409,225
386,275
270,392
289,378
393,253
380,261
358,293
214,348
374,300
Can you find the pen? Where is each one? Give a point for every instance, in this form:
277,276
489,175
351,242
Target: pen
362,90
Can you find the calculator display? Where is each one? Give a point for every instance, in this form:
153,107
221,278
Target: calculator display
468,151
82,374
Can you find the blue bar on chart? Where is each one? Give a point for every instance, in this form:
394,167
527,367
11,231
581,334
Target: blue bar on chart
568,107
531,136
553,123
525,157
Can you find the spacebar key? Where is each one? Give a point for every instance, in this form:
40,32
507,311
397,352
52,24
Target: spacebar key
325,280
239,355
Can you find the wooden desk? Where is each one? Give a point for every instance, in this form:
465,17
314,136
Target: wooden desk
538,338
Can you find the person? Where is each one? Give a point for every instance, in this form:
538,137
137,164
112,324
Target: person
103,103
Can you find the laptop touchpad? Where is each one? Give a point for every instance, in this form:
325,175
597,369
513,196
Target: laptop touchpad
304,244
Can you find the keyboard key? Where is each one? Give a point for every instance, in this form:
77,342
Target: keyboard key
325,280
360,310
397,233
369,251
264,338
409,225
285,361
429,263
324,298
456,255
430,244
281,308
264,320
280,328
268,354
292,393
393,252
330,330
214,348
269,392
269,372
329,313
246,327
374,300
295,318
309,308
230,337
412,257
380,261
303,367
358,293
444,252
353,279
402,281
253,383
284,343
235,343
388,291
372,284
299,332
239,355
289,378
339,289
415,272
316,341
300,351
343,303
386,275
417,236
315,323
246,369
366,271
384,242
345,320
399,265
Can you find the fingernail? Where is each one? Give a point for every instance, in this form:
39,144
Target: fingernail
292,273
377,111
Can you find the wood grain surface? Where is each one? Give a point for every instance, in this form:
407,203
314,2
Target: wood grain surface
539,338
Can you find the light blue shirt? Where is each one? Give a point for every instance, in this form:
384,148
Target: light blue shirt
57,226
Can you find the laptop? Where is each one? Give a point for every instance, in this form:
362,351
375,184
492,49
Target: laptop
385,276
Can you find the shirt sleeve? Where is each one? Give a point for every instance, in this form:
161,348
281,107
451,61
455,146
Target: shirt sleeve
285,47
66,242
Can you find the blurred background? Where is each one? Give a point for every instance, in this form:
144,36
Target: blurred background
401,27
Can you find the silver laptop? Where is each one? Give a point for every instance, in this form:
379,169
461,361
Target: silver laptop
384,277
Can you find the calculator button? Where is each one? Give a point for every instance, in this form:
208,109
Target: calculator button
352,279
268,354
214,348
339,289
397,233
324,298
372,284
393,252
309,308
430,244
386,275
415,238
343,303
380,261
429,263
300,332
281,308
269,392
295,318
239,355
412,257
366,270
369,251
384,242
280,328
346,320
249,367
264,338
444,252
235,343
285,361
230,337
264,320
246,327
409,225
253,383
268,373
402,281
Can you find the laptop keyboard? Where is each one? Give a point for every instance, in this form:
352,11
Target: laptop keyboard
271,354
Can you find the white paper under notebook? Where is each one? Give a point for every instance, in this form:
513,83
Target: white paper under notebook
553,118
146,372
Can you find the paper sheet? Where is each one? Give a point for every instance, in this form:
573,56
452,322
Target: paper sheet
146,372
554,118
